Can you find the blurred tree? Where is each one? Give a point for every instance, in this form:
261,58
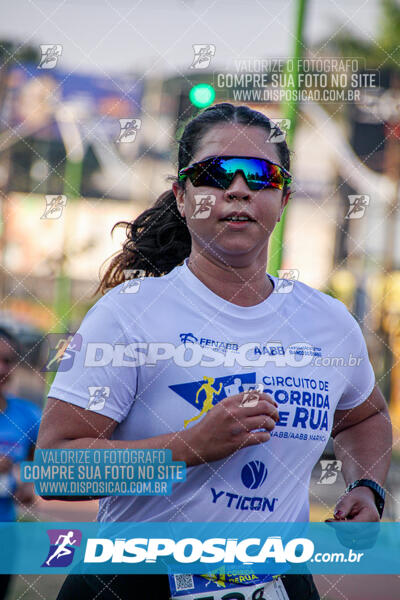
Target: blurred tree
382,133
10,53
389,34
381,52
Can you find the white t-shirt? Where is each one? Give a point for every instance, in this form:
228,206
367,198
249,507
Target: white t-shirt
303,346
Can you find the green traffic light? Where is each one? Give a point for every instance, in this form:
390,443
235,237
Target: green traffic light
202,95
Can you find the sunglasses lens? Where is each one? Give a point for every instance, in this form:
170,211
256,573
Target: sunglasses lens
219,172
210,173
259,173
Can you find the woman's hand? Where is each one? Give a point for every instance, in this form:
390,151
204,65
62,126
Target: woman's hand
230,425
356,505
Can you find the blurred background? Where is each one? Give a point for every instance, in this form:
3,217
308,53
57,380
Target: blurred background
93,97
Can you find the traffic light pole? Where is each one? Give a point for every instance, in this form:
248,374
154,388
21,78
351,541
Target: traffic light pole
290,110
74,154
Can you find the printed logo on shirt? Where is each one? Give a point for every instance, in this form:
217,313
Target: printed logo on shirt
298,349
204,342
304,403
304,406
205,394
234,501
188,338
253,474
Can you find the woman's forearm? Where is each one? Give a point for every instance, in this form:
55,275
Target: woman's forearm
177,442
180,443
365,449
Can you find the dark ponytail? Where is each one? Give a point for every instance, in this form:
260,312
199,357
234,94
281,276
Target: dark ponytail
158,240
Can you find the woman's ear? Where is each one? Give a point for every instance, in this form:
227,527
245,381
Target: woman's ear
179,194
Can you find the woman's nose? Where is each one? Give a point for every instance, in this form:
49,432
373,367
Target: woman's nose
238,188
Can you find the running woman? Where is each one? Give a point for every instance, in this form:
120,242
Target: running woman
211,325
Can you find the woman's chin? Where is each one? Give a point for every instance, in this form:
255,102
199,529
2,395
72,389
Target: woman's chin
238,255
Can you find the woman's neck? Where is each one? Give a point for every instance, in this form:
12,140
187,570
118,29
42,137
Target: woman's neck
244,286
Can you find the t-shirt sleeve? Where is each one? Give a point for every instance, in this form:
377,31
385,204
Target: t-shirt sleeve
94,373
357,373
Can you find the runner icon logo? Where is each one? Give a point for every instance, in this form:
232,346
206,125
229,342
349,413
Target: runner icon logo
254,474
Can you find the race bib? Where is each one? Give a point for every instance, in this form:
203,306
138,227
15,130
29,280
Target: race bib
197,587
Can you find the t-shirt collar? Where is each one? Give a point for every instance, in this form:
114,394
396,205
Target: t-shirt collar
267,306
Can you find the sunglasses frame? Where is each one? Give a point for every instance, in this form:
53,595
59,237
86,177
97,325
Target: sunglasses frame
186,171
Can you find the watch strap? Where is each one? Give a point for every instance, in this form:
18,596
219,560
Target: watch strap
379,492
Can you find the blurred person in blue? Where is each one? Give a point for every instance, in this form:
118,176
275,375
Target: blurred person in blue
19,426
203,248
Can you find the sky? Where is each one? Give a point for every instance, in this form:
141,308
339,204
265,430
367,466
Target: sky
156,36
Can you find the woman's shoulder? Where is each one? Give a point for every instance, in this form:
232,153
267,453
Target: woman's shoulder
139,289
319,300
130,299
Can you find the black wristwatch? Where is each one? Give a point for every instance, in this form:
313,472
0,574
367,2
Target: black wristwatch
379,492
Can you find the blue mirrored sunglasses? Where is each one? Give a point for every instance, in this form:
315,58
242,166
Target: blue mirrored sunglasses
219,172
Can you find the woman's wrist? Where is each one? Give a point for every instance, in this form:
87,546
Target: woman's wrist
186,446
